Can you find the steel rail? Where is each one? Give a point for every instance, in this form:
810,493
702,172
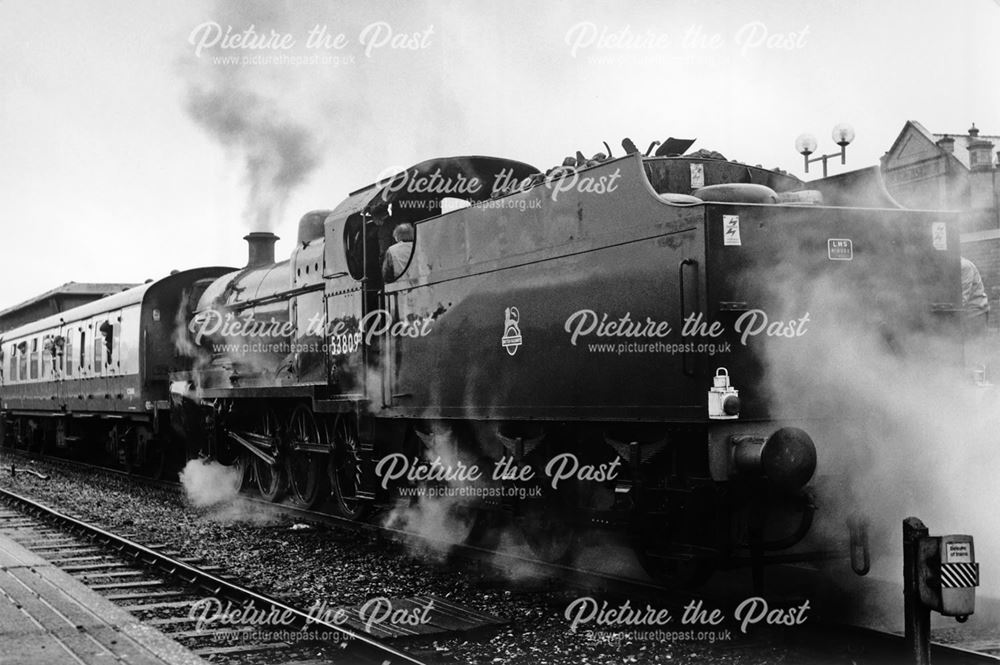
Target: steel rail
360,646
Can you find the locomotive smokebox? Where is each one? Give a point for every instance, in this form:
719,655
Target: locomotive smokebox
261,248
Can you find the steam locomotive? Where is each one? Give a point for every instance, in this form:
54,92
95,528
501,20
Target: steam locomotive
601,337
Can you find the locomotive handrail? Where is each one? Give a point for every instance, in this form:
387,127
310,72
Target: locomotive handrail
680,269
277,297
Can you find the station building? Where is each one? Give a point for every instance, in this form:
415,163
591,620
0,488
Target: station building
59,299
953,171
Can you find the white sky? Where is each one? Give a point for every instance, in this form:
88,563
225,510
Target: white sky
105,177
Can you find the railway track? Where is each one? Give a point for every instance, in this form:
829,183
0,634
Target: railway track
182,597
957,651
527,567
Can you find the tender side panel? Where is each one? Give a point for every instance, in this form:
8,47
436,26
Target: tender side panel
883,282
547,359
552,303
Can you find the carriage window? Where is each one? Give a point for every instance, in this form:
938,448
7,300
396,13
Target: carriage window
108,334
68,354
83,350
13,362
33,360
45,361
98,352
56,355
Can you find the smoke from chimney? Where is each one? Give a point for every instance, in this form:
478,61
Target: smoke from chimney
258,118
260,248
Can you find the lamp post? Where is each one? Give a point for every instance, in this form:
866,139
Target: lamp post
842,135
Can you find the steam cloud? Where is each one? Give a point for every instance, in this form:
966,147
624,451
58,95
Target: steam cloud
210,483
904,432
216,487
441,521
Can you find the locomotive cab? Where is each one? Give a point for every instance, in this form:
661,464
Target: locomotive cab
359,233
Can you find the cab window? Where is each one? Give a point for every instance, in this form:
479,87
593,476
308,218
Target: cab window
361,246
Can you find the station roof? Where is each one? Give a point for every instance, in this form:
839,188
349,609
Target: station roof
98,289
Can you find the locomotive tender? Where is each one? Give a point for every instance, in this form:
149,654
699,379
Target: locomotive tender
616,318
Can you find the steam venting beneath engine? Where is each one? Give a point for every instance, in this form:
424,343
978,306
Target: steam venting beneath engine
214,489
208,483
442,520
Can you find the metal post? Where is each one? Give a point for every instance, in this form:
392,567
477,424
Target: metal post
758,518
917,616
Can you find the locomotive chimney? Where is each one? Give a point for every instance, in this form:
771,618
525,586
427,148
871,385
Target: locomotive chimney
261,248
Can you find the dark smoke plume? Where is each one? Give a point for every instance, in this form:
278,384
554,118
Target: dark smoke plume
268,117
277,152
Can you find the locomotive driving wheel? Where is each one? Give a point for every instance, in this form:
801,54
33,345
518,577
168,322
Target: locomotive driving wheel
306,451
344,468
674,556
547,528
271,479
237,458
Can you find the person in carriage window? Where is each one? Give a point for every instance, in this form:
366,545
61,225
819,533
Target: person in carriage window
397,257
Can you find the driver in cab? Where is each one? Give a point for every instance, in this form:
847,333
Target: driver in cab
397,257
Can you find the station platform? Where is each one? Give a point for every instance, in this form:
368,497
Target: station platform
48,617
